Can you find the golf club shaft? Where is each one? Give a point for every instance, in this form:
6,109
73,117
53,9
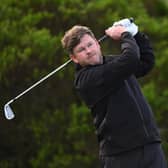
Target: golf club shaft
40,81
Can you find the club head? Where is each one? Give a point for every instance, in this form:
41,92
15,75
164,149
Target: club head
9,114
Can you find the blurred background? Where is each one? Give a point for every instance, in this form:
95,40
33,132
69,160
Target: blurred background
53,127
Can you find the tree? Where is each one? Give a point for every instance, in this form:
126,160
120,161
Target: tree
53,127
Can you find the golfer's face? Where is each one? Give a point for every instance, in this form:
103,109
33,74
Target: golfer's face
87,52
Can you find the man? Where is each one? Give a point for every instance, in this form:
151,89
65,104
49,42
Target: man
127,134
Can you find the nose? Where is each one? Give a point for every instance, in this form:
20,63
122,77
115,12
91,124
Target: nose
88,50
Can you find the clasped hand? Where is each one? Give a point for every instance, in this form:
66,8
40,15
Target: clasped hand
124,25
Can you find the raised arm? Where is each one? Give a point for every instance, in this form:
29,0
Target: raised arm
147,59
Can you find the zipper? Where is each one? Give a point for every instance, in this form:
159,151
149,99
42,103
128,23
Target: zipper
140,112
142,118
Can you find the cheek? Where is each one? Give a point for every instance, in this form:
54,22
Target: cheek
80,57
97,48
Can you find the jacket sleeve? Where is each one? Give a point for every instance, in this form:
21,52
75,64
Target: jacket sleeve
124,65
147,61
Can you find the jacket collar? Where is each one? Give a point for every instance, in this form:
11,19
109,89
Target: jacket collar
79,67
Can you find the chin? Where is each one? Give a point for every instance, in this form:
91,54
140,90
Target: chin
96,63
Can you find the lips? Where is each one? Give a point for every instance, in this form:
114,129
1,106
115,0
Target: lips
91,56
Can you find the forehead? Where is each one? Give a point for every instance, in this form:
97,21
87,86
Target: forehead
85,39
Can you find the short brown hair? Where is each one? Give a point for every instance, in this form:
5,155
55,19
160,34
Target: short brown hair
72,37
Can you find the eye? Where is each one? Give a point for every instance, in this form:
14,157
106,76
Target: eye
90,44
80,50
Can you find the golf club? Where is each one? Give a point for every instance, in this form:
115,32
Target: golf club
9,114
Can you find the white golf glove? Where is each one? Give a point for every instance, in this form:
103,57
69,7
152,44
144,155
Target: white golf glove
128,24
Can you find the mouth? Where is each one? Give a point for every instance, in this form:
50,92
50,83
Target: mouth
90,56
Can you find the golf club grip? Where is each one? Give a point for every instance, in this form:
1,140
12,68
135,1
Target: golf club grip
105,36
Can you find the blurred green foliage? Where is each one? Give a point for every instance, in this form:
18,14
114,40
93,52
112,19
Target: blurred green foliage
53,128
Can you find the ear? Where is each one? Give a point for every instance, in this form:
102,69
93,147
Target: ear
74,59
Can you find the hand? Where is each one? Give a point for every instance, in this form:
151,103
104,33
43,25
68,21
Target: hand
115,31
130,26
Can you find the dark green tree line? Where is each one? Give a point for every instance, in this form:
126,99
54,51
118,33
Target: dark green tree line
53,127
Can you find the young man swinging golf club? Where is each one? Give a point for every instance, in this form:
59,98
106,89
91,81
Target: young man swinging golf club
127,133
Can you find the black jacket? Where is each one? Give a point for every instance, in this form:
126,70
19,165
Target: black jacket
122,117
